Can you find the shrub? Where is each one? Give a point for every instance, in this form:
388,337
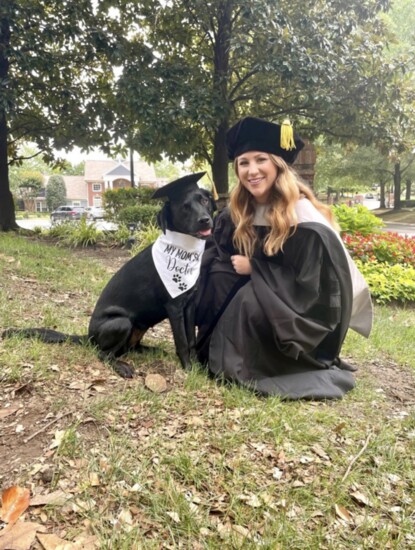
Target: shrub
356,219
117,238
387,282
385,247
55,192
141,214
145,237
116,200
75,234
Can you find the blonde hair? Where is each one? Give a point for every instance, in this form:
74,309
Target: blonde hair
281,215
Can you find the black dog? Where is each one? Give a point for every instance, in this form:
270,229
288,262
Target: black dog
136,298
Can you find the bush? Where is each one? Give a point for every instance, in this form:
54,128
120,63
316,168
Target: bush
145,237
141,215
75,234
384,247
356,219
387,282
55,192
116,200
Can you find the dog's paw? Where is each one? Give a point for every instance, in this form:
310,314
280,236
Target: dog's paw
123,369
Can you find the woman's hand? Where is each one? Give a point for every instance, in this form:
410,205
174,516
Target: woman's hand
241,264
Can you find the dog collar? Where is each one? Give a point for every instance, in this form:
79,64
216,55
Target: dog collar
177,258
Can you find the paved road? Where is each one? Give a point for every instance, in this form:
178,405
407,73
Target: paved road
402,229
45,224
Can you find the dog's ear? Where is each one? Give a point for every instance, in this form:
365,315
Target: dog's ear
209,195
164,217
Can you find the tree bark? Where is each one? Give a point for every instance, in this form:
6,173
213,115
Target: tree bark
382,195
7,213
132,167
397,186
408,185
220,84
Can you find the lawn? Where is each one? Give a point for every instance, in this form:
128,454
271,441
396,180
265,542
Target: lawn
176,460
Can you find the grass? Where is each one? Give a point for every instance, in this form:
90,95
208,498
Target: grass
203,465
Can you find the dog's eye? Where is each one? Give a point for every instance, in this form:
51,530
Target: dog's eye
204,201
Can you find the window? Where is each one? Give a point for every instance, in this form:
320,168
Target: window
96,187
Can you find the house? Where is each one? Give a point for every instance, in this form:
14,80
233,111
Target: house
107,174
99,176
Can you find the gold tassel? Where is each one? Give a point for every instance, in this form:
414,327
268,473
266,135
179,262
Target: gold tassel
214,192
287,136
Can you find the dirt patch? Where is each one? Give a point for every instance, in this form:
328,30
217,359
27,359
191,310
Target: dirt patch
112,258
396,382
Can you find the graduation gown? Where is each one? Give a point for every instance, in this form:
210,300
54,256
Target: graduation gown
279,331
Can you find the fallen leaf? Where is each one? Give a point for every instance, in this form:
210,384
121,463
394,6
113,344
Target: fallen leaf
57,498
50,541
94,479
174,516
156,383
15,500
342,513
319,451
20,536
360,498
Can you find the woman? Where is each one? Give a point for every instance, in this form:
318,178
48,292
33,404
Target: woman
278,290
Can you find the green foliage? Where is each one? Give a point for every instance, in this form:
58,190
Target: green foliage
75,234
142,214
74,169
356,219
145,237
30,183
349,168
116,238
182,100
166,169
389,283
55,192
116,199
121,204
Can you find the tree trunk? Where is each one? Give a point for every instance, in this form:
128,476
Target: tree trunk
7,214
382,195
220,160
408,185
220,85
397,186
132,167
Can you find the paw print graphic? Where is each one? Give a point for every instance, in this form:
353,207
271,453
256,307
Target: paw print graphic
177,278
182,286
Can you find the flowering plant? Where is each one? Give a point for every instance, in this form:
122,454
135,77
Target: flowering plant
386,247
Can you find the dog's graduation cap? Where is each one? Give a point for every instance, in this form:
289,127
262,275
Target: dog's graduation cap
255,134
176,188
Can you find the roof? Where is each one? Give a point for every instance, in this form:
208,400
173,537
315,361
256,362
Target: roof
119,170
75,187
96,169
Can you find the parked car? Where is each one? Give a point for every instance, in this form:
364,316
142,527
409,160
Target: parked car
95,212
369,196
67,213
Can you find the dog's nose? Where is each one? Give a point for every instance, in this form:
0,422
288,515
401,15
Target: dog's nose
204,221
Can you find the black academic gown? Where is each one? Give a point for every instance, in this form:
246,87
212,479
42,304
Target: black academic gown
278,331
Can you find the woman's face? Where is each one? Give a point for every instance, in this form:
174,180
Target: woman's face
257,173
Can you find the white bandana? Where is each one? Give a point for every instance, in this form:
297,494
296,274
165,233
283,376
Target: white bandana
178,258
